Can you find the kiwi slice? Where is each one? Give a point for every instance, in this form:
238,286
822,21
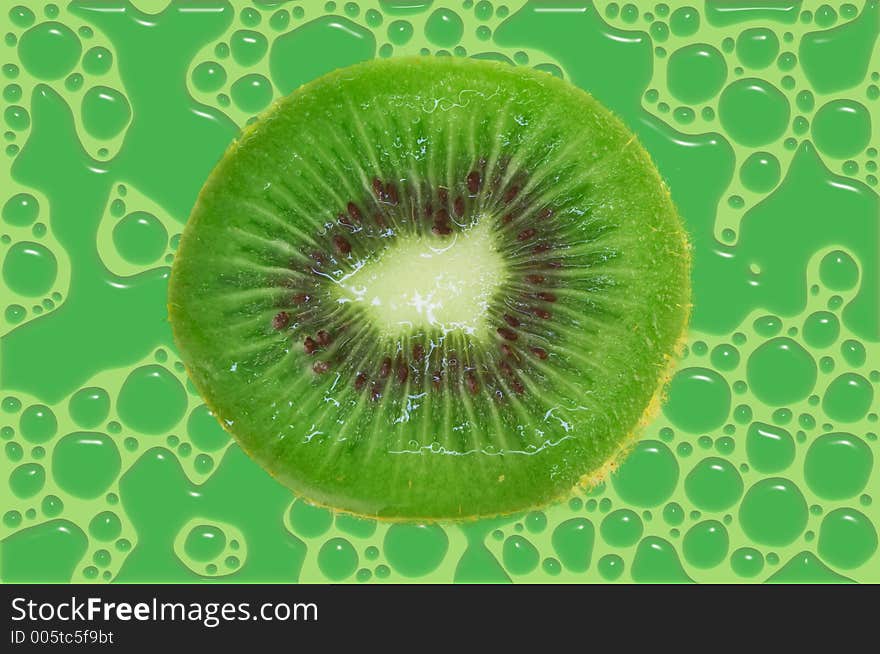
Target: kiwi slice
432,288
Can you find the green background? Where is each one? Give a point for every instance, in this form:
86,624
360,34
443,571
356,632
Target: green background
763,119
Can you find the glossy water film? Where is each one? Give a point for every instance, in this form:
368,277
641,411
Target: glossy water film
762,117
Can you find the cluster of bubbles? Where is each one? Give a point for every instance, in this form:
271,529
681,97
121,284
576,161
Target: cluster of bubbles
139,231
211,548
50,51
65,460
31,272
253,62
767,89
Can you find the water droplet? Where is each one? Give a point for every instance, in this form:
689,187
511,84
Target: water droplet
656,561
279,20
49,50
629,13
848,397
52,506
204,543
74,82
140,237
309,520
338,559
519,555
400,32
842,128
363,575
203,464
105,112
444,28
89,407
684,21
27,480
821,329
29,269
753,111
838,466
747,562
102,558
622,528
15,313
673,514
705,544
573,543
151,400
695,73
17,118
483,10
536,522
97,61
12,519
21,16
248,47
838,271
209,76
374,18
105,526
38,423
551,566
773,512
767,326
714,484
415,550
853,352
698,400
760,172
611,567
252,92
780,371
648,476
85,463
769,448
847,539
757,47
21,210
204,430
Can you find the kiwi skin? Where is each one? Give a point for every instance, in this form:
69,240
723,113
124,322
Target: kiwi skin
586,481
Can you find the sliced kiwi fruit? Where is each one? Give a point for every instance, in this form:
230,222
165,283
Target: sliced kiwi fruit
432,288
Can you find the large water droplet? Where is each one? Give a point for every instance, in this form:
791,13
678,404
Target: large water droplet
847,539
773,512
29,269
838,466
151,400
85,463
648,476
781,371
49,50
753,111
698,400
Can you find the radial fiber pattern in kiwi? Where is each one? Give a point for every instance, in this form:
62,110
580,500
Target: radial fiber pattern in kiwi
431,421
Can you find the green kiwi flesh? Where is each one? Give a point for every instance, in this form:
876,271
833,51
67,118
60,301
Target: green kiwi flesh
432,288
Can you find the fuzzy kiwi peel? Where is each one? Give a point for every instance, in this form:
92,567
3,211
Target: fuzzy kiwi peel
433,288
